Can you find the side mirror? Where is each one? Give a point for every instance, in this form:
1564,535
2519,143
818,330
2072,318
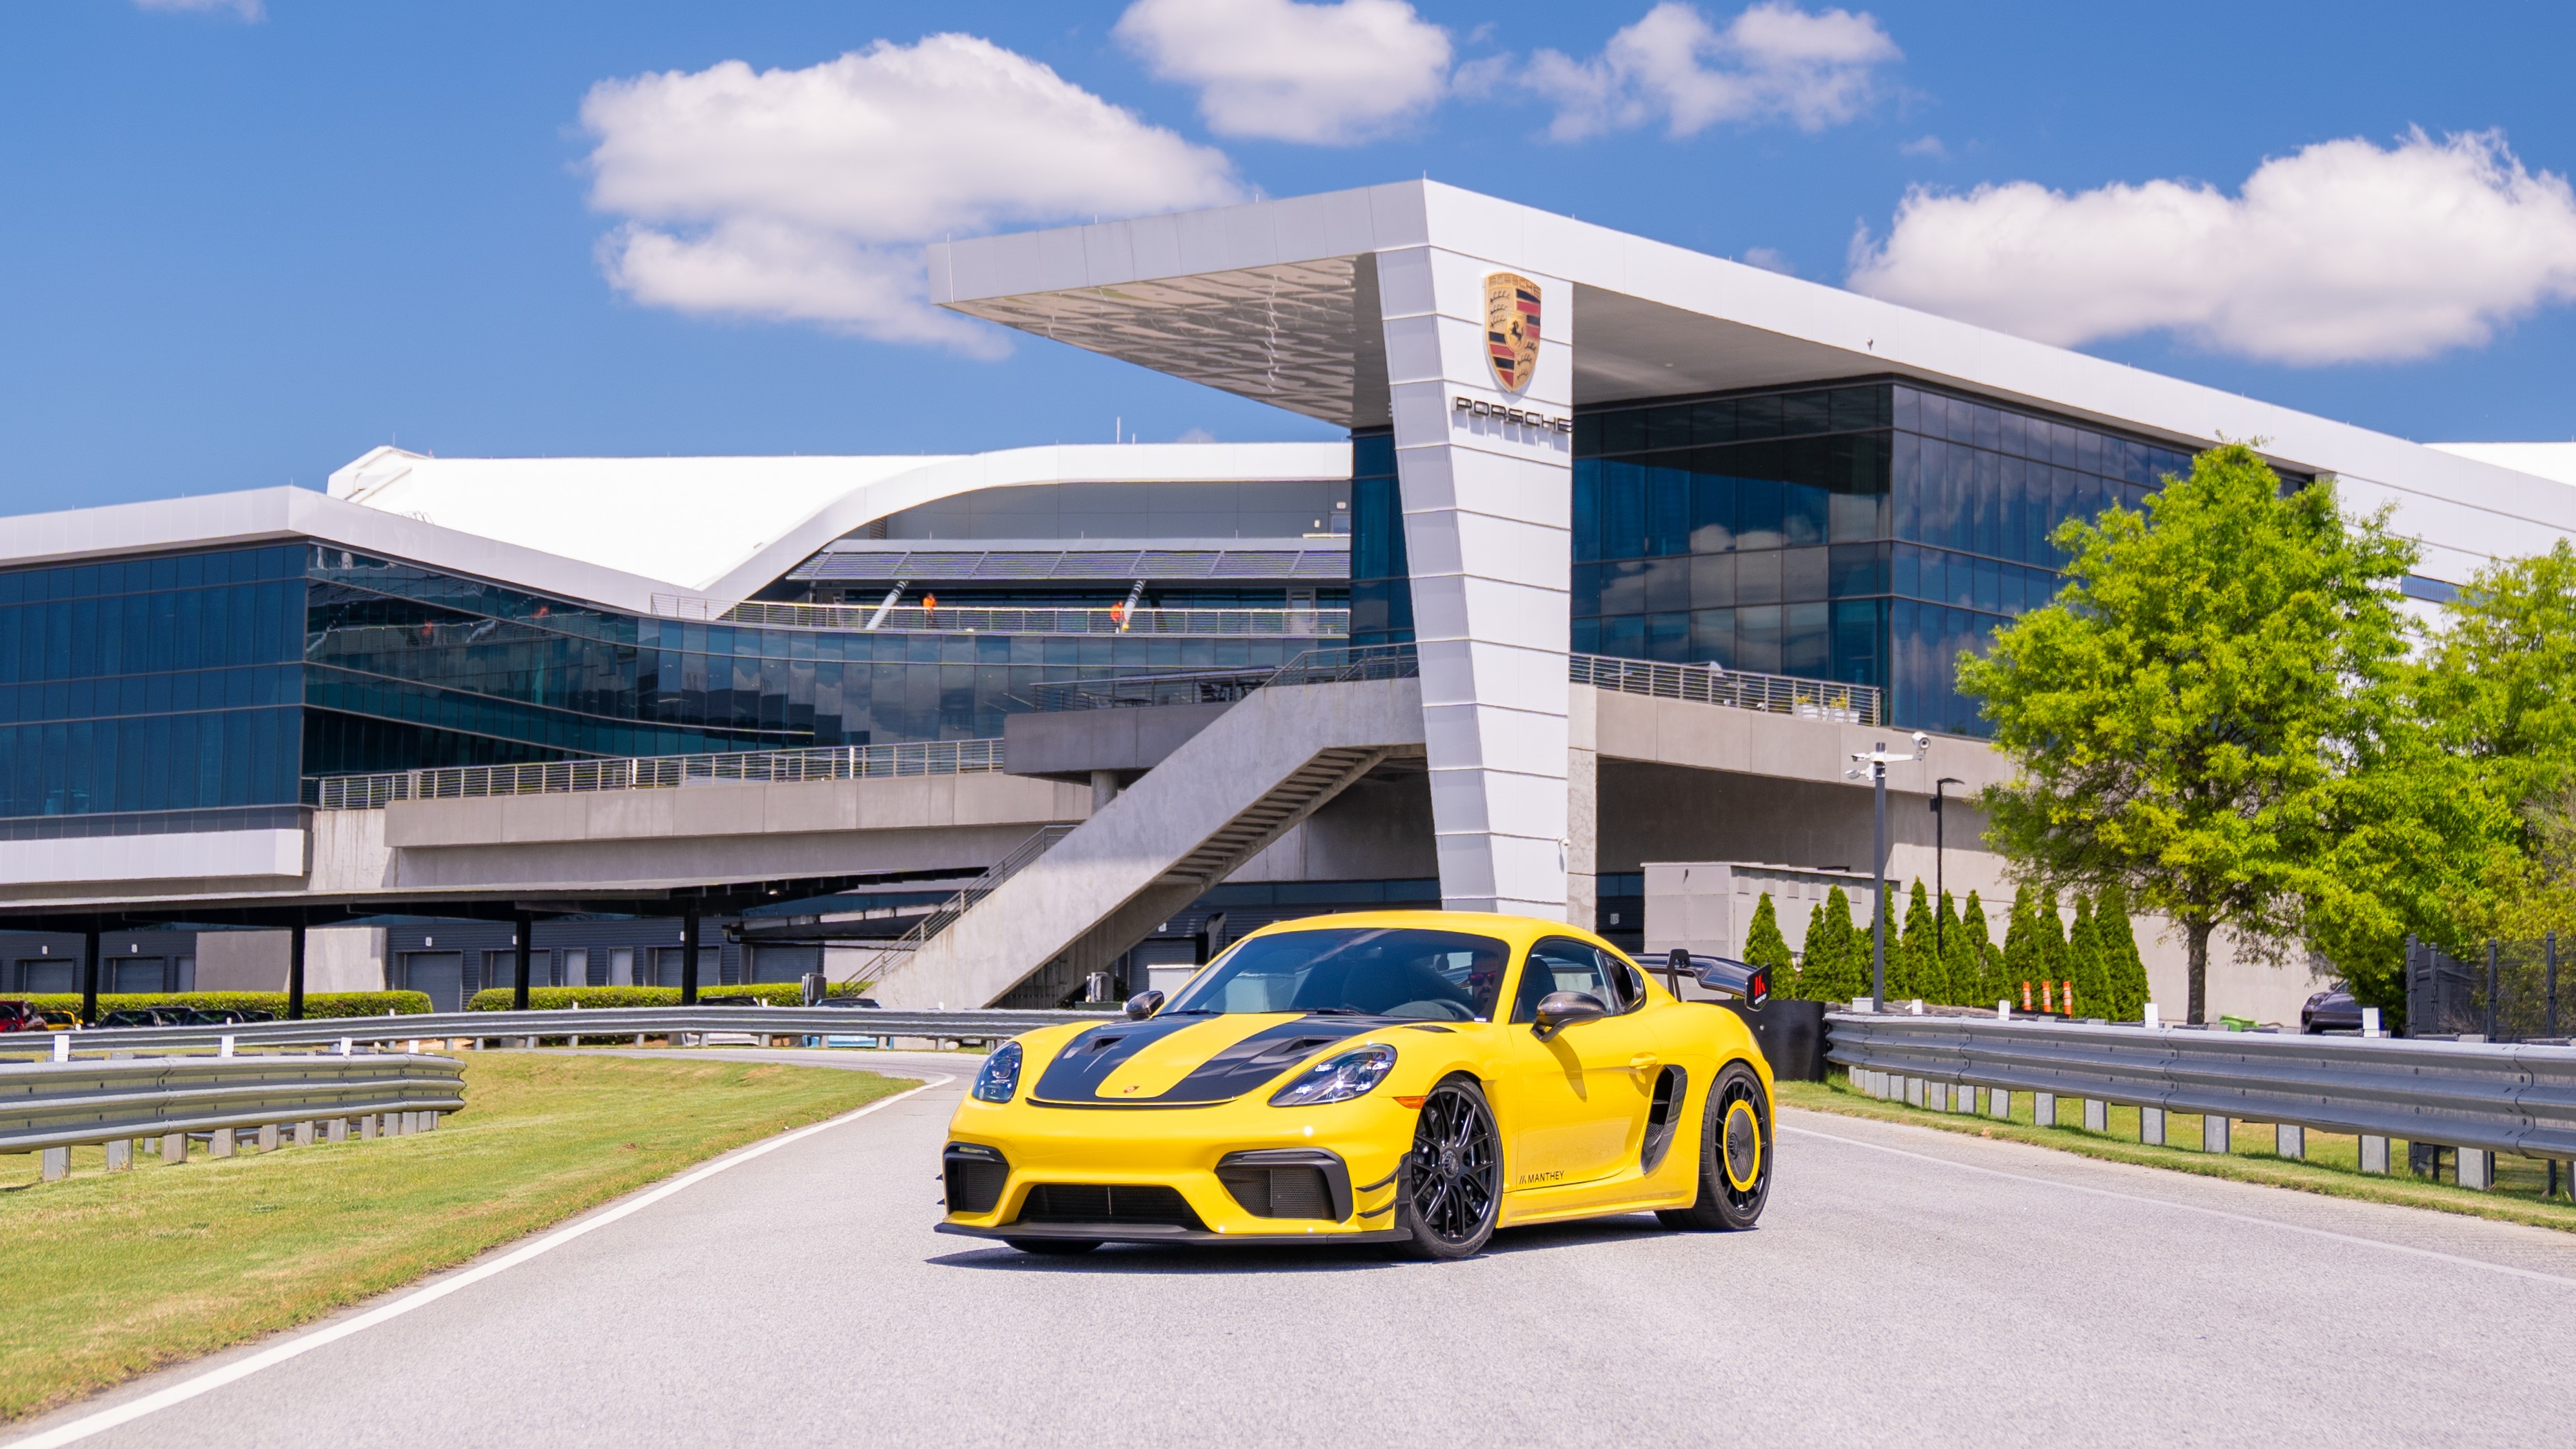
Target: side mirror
1144,1004
1560,1009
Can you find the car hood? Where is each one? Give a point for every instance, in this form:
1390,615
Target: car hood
1186,1061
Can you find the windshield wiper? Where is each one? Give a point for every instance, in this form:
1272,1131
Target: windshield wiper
1337,1011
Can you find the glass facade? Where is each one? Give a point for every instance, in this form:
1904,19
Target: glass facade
1865,533
1381,577
192,691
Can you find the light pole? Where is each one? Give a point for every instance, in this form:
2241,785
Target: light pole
1873,767
1940,819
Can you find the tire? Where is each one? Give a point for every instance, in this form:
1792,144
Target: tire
1454,1175
1053,1247
1734,1157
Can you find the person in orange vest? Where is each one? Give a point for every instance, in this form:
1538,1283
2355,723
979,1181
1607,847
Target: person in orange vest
929,602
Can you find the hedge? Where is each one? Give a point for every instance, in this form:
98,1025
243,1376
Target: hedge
601,998
316,1003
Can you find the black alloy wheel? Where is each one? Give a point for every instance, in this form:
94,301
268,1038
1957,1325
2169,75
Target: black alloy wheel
1454,1177
1054,1247
1734,1157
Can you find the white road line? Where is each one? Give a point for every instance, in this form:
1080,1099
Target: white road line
2184,1207
206,1383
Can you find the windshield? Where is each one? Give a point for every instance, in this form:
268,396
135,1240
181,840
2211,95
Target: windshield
1365,971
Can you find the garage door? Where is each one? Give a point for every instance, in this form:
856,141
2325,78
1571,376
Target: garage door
439,973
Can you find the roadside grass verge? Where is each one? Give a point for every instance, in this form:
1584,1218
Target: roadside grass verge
110,1275
2331,1168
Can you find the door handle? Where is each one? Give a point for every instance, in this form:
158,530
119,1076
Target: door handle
1644,1062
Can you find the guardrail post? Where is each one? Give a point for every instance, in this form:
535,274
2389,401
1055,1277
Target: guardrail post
2374,1155
268,1137
336,1130
2290,1141
2043,1109
174,1147
2477,1169
222,1143
120,1155
2097,1115
367,1127
2215,1134
2151,1126
58,1163
304,1134
1999,1104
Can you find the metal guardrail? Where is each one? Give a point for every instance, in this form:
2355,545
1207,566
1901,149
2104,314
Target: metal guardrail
624,1021
2474,1095
52,1106
1708,684
656,772
1225,686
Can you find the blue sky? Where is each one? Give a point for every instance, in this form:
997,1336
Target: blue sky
243,250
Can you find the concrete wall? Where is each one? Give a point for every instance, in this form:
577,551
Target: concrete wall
336,958
1378,829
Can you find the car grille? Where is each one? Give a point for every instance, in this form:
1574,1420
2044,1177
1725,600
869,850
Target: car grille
1279,1192
975,1177
1089,1202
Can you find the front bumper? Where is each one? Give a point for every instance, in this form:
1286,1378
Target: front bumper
1157,1233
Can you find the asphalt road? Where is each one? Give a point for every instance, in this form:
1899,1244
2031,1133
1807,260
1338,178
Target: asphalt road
1906,1287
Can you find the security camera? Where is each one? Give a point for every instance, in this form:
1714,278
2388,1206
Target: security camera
1922,741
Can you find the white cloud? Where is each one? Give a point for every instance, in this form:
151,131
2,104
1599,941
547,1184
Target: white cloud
804,195
1926,146
246,10
1322,74
1770,259
2344,252
1773,62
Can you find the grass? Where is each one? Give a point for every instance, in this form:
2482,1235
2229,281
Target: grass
2331,1167
111,1275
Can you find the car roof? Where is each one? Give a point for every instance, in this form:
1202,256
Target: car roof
1515,931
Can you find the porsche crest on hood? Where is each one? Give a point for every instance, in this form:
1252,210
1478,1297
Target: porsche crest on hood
1185,1061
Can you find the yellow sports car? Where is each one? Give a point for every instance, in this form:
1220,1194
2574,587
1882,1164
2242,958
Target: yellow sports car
1407,1077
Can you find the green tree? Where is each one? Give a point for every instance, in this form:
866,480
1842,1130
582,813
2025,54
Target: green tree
2116,937
2215,715
1765,946
2048,941
2022,963
1913,970
1958,960
1836,961
1988,977
2084,963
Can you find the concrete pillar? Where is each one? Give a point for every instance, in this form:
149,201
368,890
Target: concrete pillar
2097,1115
89,977
523,930
1583,806
120,1155
295,973
2374,1155
1488,538
2215,1134
57,1163
268,1137
174,1147
367,1127
2043,1108
429,1121
221,1144
2477,1169
2151,1126
336,1130
2290,1141
303,1134
689,959
1914,1091
1104,788
1998,1104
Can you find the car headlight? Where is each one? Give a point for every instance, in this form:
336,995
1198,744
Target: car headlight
1337,1078
999,1079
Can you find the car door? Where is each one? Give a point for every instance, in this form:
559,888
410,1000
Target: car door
1575,1103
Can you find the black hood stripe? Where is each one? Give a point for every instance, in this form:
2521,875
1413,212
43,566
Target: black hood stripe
1075,1076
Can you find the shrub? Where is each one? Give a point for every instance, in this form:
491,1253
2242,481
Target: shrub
1765,946
604,998
317,1004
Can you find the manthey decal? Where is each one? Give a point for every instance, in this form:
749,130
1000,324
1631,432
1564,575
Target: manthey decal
1511,329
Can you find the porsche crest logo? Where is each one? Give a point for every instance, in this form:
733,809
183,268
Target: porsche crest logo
1511,329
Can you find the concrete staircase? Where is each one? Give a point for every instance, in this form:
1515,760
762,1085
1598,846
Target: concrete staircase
1217,801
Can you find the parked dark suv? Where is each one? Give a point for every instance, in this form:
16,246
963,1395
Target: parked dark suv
2330,1011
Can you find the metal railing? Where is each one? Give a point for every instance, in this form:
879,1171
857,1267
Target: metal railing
2477,1096
611,1022
914,619
53,1106
1225,686
1708,684
901,948
656,772
2502,991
